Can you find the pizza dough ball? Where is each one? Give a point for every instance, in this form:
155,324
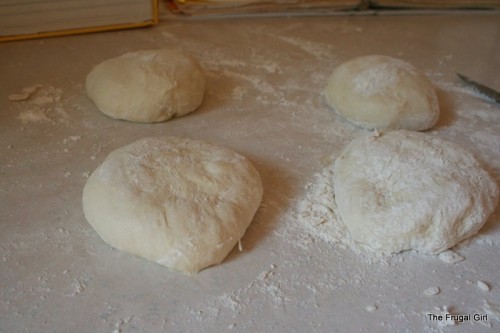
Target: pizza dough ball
411,191
147,86
380,92
181,203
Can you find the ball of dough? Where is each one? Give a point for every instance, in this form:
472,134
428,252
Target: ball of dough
411,191
147,86
380,92
181,203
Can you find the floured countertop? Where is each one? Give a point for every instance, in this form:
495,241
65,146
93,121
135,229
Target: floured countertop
264,100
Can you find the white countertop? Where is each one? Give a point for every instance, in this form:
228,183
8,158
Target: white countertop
264,100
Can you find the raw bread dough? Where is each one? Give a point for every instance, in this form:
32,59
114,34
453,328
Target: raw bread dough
181,203
407,190
147,86
380,92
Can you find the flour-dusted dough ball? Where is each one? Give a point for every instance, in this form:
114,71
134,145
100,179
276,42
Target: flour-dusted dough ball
147,86
181,203
411,191
381,92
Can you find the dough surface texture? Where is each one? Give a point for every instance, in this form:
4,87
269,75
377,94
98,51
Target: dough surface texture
147,86
181,203
407,190
381,92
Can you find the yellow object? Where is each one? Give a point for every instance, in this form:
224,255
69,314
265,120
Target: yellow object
117,22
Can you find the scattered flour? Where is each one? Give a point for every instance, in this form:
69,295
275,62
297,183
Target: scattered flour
318,213
482,285
72,139
76,288
319,50
447,316
256,81
450,257
493,310
239,93
78,285
120,323
431,291
265,284
40,104
25,93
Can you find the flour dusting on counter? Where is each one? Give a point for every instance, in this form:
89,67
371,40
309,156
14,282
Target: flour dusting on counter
298,270
431,291
40,103
450,257
483,285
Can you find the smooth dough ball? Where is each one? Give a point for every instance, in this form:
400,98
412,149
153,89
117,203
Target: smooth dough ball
181,203
147,86
380,92
411,191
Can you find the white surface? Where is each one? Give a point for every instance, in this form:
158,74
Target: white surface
264,100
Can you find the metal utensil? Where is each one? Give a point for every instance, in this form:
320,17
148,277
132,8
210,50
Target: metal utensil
481,88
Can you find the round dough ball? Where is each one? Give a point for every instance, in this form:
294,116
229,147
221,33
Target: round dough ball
147,86
380,92
181,203
411,191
